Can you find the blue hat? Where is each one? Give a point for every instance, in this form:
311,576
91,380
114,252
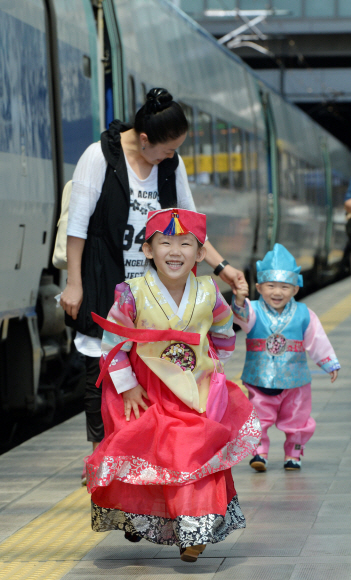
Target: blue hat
279,266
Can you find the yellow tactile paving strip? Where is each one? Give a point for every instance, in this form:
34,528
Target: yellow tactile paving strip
51,545
336,315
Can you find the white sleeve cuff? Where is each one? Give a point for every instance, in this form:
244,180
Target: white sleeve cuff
184,196
124,379
224,355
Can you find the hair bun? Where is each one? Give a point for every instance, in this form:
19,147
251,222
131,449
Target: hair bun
158,100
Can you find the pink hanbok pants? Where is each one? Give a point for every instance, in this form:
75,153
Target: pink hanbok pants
290,412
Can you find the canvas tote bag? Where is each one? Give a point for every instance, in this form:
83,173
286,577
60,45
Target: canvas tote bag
59,258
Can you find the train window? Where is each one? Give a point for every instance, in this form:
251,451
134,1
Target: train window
292,177
320,186
131,99
293,171
221,153
143,92
247,161
86,66
310,184
204,159
187,149
284,174
252,155
301,180
262,168
236,158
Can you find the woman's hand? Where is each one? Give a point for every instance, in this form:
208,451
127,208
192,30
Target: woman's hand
333,376
71,299
72,296
229,275
233,277
133,399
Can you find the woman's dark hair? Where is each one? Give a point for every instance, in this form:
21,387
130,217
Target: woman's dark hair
161,118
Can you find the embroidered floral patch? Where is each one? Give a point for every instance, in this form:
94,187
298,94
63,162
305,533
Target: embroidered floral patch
276,344
180,354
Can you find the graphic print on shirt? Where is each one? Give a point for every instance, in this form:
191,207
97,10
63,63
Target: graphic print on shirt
143,198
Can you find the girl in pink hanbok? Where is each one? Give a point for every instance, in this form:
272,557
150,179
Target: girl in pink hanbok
174,426
279,332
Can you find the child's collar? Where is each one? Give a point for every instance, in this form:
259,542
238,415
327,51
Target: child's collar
273,311
179,310
278,322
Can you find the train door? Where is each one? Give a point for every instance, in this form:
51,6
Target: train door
111,85
272,173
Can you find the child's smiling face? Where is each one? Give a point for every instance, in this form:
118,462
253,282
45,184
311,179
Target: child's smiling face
277,294
174,256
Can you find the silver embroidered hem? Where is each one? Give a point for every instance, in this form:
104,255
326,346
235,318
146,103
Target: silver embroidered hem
182,531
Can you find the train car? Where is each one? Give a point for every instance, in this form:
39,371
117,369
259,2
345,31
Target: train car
310,180
49,113
261,170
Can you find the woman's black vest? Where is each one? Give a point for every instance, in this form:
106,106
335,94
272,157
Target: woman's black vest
102,260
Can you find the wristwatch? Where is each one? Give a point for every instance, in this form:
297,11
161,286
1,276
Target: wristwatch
220,267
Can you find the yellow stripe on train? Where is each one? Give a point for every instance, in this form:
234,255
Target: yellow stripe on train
220,162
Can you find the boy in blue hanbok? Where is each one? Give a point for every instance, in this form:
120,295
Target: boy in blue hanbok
279,332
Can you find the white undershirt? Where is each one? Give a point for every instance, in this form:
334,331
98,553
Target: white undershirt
178,310
88,179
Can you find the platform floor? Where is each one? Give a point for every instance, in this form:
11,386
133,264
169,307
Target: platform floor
298,524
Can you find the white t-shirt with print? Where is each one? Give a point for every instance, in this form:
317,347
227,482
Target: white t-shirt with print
143,198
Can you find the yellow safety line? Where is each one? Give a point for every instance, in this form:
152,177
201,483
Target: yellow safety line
52,544
336,315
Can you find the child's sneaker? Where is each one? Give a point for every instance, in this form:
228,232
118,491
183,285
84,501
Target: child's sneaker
292,465
259,463
191,553
134,538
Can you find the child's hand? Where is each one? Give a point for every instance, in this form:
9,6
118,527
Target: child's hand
133,399
333,376
242,291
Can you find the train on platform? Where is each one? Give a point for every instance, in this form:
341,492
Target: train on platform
261,170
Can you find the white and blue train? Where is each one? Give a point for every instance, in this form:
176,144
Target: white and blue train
259,168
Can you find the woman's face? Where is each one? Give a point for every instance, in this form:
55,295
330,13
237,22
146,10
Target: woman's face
154,154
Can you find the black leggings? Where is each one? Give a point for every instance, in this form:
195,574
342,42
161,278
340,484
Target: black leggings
92,400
